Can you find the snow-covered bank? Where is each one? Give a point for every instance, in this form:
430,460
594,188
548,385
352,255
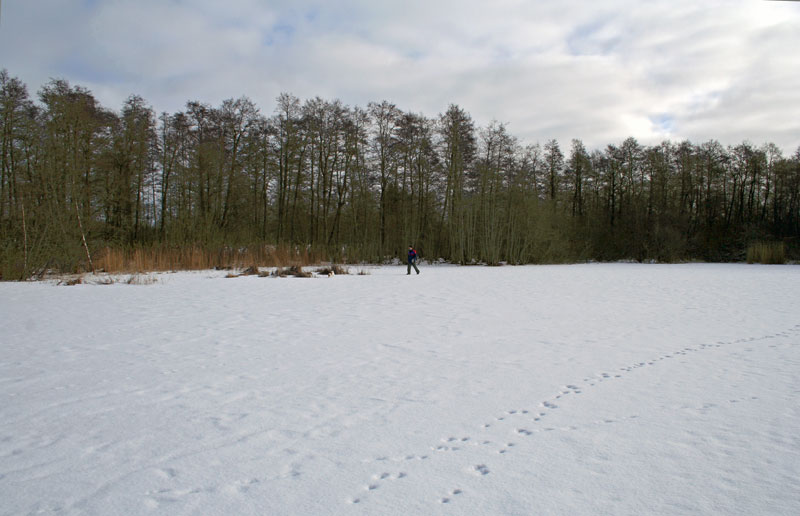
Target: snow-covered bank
584,389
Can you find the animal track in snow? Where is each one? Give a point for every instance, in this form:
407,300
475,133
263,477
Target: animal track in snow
481,469
404,458
377,480
454,492
453,443
443,448
449,446
506,449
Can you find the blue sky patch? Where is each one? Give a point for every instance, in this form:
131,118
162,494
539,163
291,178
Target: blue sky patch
664,122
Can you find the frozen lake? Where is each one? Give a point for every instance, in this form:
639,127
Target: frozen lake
620,389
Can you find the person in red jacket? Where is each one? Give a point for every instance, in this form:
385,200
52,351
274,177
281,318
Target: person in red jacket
412,259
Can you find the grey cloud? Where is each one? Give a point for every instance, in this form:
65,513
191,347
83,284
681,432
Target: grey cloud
599,71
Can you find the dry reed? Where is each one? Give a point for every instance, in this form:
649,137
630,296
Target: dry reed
333,270
295,270
771,253
157,258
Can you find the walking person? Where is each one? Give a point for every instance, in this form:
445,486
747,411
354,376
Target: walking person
412,260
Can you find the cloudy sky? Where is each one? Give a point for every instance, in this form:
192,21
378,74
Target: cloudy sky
598,71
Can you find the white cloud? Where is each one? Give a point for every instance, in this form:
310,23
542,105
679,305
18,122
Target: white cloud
599,71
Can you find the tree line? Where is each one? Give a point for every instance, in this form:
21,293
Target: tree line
362,183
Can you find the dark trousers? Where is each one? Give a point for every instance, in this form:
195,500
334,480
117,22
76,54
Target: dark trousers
412,264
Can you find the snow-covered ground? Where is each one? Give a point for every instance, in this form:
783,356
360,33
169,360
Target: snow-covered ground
617,389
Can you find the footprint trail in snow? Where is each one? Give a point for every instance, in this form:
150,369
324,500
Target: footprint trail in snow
524,423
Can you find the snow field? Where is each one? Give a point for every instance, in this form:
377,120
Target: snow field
586,389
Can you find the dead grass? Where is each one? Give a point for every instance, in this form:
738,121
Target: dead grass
333,270
163,258
141,279
294,270
250,271
106,279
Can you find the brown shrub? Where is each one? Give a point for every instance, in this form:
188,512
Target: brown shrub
298,272
337,270
294,270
